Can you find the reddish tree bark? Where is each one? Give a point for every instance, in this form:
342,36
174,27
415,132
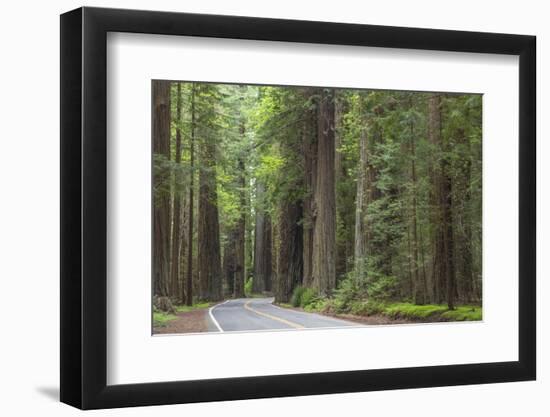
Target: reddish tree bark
161,206
324,211
176,244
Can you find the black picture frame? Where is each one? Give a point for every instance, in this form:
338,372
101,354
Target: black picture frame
84,207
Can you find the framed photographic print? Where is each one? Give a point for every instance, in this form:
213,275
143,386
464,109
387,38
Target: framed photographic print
257,208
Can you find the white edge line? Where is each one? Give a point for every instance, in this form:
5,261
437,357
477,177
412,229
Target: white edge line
213,318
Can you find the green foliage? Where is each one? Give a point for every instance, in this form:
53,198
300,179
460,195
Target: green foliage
278,123
228,201
413,311
318,304
408,311
309,297
382,287
304,297
196,306
351,289
160,319
463,313
433,311
248,287
246,136
366,308
296,299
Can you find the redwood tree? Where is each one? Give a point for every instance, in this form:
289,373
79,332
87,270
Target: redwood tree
238,290
191,220
161,206
324,229
176,243
262,245
289,263
309,152
210,279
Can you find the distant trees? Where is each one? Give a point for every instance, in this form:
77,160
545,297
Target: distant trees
377,192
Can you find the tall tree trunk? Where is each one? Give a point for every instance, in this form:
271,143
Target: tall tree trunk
230,262
262,246
184,227
249,236
268,255
161,207
360,210
409,261
309,152
464,238
189,280
289,262
438,270
447,224
324,231
258,282
418,293
175,264
343,226
448,238
427,296
238,291
275,249
209,232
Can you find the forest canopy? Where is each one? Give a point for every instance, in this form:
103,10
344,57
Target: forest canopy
338,195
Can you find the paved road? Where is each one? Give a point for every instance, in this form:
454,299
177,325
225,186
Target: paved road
246,314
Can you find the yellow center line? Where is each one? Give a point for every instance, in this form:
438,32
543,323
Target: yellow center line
269,316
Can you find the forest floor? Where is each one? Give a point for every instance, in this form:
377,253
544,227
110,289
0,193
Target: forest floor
186,320
396,313
375,319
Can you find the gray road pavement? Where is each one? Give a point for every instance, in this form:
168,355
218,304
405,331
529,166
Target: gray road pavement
248,314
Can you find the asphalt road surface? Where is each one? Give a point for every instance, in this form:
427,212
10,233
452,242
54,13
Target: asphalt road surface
247,314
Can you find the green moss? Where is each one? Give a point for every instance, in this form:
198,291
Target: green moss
413,311
310,302
197,306
432,311
161,319
463,313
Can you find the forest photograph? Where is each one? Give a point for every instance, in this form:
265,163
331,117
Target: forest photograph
285,207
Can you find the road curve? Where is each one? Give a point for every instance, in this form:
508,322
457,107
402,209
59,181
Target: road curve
249,314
